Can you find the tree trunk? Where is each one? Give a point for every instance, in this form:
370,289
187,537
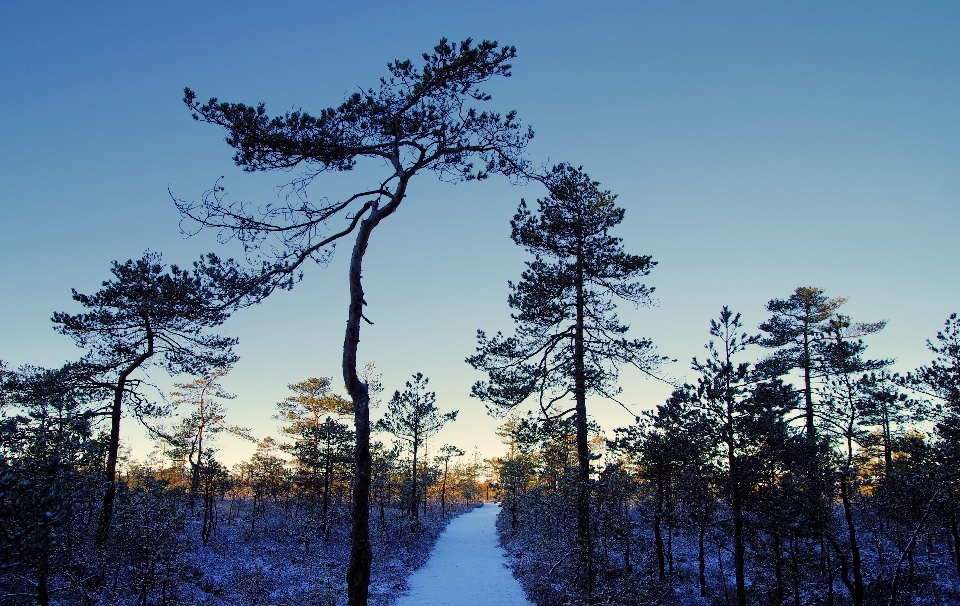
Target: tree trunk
657,532
325,507
778,567
413,482
887,448
955,532
443,491
795,568
628,533
113,448
195,476
361,556
584,543
856,586
807,388
702,560
739,550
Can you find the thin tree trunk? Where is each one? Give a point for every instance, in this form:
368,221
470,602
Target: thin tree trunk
657,531
807,388
325,507
895,583
739,550
361,556
796,569
702,560
955,532
887,448
443,491
584,542
778,567
113,449
856,586
413,483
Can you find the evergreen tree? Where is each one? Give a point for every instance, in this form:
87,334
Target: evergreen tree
795,329
939,381
413,417
847,405
568,341
146,314
671,449
207,419
747,417
45,445
321,454
938,385
311,401
447,452
414,121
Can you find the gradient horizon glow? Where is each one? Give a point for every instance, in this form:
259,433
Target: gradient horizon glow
756,147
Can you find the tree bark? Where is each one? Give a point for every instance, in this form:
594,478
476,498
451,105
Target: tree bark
657,531
856,587
443,491
584,543
361,556
807,388
113,448
702,560
739,551
413,481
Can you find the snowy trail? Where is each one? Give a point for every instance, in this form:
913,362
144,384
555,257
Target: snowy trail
466,567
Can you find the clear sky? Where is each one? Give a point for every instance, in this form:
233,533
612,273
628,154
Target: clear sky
757,147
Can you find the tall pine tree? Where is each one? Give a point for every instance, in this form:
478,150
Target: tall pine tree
568,340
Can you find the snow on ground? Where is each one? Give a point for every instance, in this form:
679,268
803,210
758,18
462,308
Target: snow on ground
466,567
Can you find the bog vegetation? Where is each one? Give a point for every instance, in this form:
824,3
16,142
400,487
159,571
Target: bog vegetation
185,529
789,467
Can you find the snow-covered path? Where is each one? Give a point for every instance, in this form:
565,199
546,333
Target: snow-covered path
466,567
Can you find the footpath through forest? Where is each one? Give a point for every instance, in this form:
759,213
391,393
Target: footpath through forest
466,567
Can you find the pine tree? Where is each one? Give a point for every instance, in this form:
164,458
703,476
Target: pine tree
207,419
747,415
415,120
413,417
795,329
447,453
146,314
568,340
846,405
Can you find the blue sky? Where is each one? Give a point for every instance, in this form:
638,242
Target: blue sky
757,147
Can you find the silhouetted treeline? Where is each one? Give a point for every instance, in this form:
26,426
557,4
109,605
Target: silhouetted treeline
790,469
185,529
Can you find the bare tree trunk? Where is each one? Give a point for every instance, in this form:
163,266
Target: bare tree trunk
361,556
702,560
955,533
908,552
807,388
739,550
855,585
856,592
657,531
413,482
584,542
443,491
113,449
